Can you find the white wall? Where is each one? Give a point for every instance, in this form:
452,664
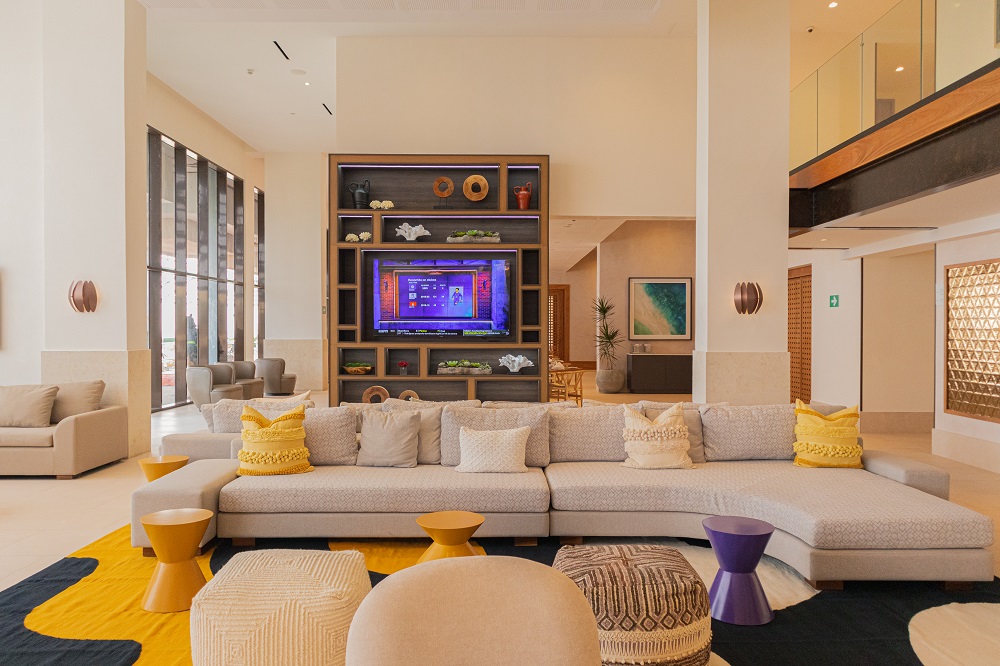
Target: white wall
616,115
836,332
966,38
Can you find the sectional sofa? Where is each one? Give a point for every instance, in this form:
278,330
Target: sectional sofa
889,521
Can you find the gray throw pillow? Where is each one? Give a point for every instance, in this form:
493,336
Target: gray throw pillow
26,406
478,418
330,435
362,408
587,434
389,439
753,432
429,451
77,398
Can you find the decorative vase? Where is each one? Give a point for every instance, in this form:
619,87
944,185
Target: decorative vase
360,193
402,371
523,195
610,381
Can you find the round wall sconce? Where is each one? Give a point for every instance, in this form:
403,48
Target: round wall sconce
83,296
748,297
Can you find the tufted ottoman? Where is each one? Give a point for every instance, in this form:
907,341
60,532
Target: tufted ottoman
279,607
651,606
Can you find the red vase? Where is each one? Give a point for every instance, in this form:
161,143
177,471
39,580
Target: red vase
523,195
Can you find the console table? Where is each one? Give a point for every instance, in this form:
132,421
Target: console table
659,373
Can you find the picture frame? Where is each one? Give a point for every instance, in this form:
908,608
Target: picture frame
660,308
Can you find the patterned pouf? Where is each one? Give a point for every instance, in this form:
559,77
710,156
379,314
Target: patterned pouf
651,606
279,607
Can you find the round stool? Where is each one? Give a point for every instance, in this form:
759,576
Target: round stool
230,391
157,466
175,535
737,596
450,531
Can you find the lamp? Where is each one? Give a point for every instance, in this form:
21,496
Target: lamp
748,297
83,296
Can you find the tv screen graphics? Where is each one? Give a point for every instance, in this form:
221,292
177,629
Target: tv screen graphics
464,296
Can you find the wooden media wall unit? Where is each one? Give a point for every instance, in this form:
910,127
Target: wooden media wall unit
409,182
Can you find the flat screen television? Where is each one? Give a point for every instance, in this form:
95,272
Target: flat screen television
463,296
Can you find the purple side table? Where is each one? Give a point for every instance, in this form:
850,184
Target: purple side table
736,595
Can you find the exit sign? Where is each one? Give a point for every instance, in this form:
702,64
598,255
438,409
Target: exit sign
834,301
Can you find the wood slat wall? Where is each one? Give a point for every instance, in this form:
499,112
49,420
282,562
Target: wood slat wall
800,332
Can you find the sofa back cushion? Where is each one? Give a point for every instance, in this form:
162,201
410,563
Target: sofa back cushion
77,398
587,434
754,432
226,413
330,435
478,418
512,404
692,419
26,406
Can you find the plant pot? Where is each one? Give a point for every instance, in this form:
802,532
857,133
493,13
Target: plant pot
610,381
464,371
358,370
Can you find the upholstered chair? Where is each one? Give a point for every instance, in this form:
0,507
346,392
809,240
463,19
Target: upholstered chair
253,387
483,610
276,380
211,383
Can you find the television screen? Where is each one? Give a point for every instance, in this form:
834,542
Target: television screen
439,295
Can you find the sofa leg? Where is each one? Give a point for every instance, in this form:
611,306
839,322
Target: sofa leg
209,545
571,541
525,541
65,477
827,585
958,586
148,552
244,542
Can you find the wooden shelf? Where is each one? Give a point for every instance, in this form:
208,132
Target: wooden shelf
464,247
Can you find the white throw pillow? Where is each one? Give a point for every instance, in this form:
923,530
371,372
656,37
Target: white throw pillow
659,444
493,450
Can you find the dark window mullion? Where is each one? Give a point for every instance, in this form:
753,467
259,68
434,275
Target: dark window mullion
203,250
222,311
238,269
260,273
154,208
180,281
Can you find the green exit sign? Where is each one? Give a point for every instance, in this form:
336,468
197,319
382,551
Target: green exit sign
834,301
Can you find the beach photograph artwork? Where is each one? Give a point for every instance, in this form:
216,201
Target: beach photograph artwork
660,308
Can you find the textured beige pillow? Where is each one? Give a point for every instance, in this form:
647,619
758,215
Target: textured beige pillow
389,439
77,398
362,408
493,450
453,418
659,444
429,451
292,400
208,413
26,406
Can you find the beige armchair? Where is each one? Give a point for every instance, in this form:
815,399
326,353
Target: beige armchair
276,380
253,387
475,610
211,383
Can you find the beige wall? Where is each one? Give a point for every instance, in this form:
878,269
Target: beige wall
898,333
645,248
582,281
616,115
966,38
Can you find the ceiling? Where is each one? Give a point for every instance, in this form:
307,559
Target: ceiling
572,239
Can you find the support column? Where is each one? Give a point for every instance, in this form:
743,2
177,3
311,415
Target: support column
742,200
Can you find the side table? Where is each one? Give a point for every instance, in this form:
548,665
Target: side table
737,596
175,535
450,531
157,466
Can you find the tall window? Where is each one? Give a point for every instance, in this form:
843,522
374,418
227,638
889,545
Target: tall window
258,274
195,266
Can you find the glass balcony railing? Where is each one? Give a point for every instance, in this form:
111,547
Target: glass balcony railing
915,49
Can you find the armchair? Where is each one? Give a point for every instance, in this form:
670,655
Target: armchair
253,387
276,380
211,383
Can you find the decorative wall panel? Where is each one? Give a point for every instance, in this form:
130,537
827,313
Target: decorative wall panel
973,340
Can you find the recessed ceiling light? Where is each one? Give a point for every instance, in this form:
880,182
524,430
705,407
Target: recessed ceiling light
822,240
832,5
307,83
900,68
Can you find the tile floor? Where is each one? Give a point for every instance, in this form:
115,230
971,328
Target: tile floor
43,520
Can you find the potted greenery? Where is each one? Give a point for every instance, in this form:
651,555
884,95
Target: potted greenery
474,236
609,380
357,368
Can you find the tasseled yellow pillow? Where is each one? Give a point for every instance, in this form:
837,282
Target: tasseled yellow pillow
273,447
826,441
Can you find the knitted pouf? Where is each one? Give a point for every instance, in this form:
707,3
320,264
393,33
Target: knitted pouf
651,606
279,607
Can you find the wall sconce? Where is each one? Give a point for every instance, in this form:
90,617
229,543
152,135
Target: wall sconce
83,296
748,297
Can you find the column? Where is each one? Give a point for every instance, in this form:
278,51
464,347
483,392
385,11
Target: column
742,200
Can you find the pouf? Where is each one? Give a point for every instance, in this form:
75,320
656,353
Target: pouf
279,607
651,606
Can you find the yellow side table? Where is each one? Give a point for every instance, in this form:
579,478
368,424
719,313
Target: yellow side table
450,531
175,535
158,466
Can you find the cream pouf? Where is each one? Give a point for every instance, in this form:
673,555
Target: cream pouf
279,607
651,606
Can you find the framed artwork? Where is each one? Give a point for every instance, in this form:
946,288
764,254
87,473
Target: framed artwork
659,308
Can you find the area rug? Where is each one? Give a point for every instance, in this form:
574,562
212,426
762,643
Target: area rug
85,610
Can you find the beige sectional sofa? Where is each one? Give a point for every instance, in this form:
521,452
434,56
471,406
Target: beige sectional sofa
890,521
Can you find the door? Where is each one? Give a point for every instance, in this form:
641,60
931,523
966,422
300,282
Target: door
559,321
800,332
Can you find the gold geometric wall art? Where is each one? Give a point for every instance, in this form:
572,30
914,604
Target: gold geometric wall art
972,354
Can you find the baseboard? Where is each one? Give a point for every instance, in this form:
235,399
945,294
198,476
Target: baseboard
906,422
584,365
974,451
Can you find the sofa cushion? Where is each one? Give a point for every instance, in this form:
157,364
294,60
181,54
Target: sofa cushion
513,404
419,489
226,413
389,439
360,409
330,435
27,405
33,437
750,432
588,433
826,508
692,419
477,418
77,398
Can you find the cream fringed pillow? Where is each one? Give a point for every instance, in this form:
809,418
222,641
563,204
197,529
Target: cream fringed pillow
658,444
272,447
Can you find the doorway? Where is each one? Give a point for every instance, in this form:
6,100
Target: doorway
800,332
559,321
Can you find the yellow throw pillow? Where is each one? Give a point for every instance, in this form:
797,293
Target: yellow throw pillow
658,444
826,441
273,447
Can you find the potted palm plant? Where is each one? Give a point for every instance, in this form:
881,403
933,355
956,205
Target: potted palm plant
609,380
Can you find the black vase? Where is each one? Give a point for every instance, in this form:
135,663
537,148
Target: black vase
360,193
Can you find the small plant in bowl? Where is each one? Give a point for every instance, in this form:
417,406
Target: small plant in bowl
403,365
464,367
474,236
357,368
